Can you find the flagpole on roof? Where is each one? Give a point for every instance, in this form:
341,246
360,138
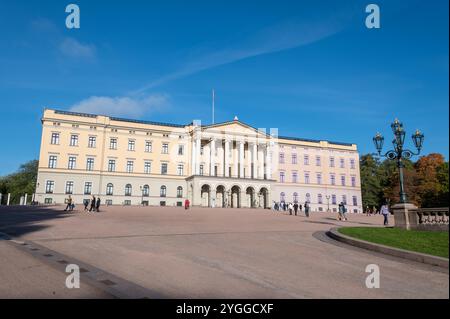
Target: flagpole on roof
213,97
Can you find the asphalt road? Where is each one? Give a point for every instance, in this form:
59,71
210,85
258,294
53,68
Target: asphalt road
215,253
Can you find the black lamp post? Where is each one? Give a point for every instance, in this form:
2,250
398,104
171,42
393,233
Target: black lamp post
399,153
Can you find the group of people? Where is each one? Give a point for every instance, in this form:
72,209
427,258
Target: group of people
293,208
92,205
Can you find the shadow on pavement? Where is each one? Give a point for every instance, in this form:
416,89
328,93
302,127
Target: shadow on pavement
20,220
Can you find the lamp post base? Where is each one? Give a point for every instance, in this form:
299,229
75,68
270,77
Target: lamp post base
405,215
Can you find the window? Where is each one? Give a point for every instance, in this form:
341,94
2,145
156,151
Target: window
165,148
181,150
164,168
332,179
69,187
353,179
180,169
344,199
108,202
319,178
127,202
319,199
49,187
109,189
333,199
295,197
294,177
90,164
111,165
332,161
281,158
130,166
355,200
55,139
341,162
48,201
201,170
87,188
294,158
92,141
113,143
147,167
52,161
148,146
282,197
128,190
72,162
306,178
145,190
308,197
318,161
306,159
352,163
179,191
163,191
131,145
343,180
281,177
73,140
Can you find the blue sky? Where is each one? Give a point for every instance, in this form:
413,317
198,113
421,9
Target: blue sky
309,68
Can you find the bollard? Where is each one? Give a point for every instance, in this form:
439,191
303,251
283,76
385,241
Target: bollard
9,197
25,200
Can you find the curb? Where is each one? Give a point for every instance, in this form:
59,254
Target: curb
397,252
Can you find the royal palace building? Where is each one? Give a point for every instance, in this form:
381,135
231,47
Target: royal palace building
229,164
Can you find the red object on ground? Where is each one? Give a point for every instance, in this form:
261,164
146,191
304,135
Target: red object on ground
186,204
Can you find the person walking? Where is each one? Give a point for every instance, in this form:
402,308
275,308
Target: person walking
93,202
384,210
86,204
307,209
341,211
295,208
290,208
97,205
69,204
186,204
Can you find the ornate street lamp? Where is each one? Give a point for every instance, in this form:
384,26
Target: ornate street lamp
399,153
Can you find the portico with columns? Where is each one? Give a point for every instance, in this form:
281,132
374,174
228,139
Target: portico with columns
231,166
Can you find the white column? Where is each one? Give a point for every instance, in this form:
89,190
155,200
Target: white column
249,161
268,170
207,158
241,159
198,141
236,160
25,200
212,157
194,153
227,158
260,161
8,198
254,160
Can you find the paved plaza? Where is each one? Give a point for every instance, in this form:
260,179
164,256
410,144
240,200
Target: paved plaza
207,253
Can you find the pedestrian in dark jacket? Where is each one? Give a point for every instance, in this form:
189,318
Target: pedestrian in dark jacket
295,208
307,209
93,202
97,205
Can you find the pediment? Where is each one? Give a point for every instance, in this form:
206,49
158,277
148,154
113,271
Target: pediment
235,128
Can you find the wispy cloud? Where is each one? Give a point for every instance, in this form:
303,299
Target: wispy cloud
122,106
75,49
272,39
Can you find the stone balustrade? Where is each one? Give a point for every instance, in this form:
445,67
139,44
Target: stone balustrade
408,216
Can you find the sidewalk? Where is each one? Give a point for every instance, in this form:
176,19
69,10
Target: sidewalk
23,276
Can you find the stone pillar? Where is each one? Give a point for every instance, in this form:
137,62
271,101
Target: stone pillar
226,158
8,199
198,143
268,170
194,157
1,197
26,198
241,159
260,161
248,172
212,158
402,214
236,161
254,160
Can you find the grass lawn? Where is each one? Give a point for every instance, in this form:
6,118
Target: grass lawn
432,243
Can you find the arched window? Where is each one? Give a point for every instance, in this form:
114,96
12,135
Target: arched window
295,197
319,199
163,191
308,197
145,190
109,189
282,197
128,190
179,191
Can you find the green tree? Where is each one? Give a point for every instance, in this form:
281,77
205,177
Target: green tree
371,188
21,182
